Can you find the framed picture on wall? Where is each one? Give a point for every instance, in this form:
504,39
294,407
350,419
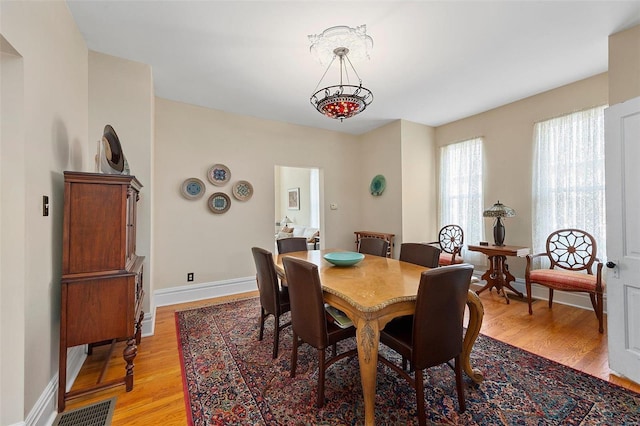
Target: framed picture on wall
294,199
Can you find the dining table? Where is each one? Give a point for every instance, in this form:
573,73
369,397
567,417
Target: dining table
371,293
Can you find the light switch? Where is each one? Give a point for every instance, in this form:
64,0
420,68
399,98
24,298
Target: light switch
45,205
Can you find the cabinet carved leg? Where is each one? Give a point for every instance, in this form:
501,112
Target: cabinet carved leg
130,352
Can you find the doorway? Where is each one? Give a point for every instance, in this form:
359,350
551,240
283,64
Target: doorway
297,198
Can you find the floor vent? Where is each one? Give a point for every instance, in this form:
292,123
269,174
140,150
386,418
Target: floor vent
97,414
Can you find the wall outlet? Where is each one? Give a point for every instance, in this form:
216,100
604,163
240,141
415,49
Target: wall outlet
190,276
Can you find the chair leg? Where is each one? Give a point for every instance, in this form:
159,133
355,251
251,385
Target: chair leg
598,308
276,335
550,297
529,301
321,369
419,382
294,355
458,370
262,315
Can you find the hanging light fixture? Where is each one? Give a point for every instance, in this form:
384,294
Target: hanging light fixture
341,100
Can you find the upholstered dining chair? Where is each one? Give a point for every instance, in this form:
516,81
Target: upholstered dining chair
309,321
287,245
420,254
433,335
274,300
571,254
450,241
375,246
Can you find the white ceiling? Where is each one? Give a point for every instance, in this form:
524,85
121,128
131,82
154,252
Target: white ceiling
431,63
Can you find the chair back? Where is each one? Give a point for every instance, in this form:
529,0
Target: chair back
308,317
420,254
572,249
287,245
438,319
267,280
451,238
375,246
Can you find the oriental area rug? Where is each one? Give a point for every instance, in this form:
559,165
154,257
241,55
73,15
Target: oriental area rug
230,379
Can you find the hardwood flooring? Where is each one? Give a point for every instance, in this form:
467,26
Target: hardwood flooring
564,334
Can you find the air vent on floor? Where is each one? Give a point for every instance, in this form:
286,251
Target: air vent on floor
96,414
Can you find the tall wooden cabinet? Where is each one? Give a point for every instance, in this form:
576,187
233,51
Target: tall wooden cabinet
102,288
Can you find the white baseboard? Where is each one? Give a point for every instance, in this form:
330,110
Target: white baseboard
45,410
578,300
193,293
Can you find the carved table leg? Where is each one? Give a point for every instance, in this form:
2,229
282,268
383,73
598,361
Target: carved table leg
489,276
476,313
367,336
509,279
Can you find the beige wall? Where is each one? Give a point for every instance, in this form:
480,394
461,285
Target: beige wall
380,154
121,94
189,140
53,139
624,65
508,149
419,183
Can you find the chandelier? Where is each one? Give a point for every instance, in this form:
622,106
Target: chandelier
341,100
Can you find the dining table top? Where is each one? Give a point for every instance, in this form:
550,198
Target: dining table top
370,285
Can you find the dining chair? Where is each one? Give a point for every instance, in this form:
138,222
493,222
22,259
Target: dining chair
420,254
274,299
287,245
375,246
433,335
450,241
571,254
309,320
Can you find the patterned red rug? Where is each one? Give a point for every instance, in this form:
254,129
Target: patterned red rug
230,379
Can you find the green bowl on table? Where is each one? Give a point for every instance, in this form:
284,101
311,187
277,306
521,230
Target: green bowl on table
343,258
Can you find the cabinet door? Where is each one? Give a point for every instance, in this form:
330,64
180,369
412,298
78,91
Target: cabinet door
96,228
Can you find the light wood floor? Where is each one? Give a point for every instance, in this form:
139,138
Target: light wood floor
565,334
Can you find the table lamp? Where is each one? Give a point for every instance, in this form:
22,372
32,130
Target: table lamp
285,222
499,210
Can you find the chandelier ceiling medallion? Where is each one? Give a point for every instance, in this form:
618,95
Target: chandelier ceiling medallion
341,100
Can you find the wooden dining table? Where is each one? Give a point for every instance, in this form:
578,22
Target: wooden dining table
372,293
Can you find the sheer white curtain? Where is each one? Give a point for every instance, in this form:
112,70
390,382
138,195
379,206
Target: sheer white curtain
461,191
568,177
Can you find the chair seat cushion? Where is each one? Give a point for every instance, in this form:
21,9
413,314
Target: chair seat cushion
445,259
564,280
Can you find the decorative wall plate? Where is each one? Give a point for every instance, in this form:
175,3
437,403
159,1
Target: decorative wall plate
219,174
242,190
378,184
192,189
219,202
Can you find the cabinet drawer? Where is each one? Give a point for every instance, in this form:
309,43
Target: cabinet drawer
100,309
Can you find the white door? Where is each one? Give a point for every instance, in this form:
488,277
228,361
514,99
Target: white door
622,136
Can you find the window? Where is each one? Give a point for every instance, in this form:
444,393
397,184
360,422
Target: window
461,190
568,177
